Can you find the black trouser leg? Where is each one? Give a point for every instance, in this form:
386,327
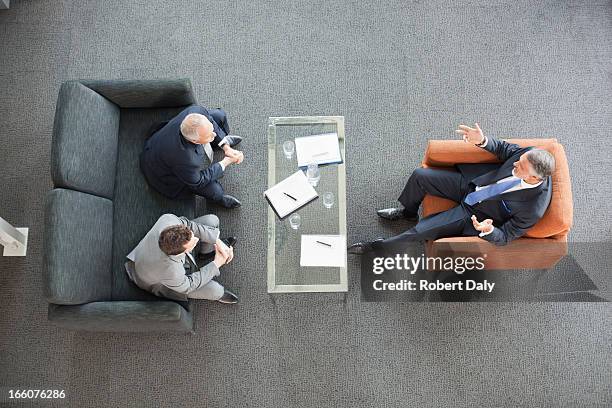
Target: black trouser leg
445,224
220,117
442,183
214,192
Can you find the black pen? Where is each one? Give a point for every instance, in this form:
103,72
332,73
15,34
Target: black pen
290,196
324,243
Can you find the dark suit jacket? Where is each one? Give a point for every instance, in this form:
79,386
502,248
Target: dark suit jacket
173,165
515,212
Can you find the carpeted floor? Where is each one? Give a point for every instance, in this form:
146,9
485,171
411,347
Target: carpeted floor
401,72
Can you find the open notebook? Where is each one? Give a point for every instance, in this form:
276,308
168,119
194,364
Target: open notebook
290,194
320,149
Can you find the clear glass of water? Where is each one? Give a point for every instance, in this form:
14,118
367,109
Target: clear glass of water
288,149
313,174
295,220
328,199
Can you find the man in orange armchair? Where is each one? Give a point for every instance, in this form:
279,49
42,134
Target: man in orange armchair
498,202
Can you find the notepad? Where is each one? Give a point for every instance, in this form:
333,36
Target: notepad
290,194
323,250
319,149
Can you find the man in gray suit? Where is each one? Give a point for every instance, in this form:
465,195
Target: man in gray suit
158,263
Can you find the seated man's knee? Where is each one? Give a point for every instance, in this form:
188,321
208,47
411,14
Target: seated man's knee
214,191
218,115
211,220
420,173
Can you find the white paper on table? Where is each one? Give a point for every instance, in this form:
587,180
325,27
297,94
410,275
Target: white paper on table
320,149
315,254
296,186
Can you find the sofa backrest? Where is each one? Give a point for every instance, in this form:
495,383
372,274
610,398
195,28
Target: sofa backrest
159,93
557,219
84,149
78,247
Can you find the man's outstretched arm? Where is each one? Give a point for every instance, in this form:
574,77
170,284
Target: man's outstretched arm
503,150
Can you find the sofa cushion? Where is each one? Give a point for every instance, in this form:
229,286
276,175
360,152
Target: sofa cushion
556,221
78,247
136,205
84,149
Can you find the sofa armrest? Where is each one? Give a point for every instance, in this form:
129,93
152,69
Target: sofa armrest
157,93
445,153
123,316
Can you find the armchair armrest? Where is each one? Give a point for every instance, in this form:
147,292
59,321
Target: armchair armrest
157,93
523,253
123,316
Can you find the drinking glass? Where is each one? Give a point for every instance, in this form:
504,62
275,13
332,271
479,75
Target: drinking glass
295,220
288,149
328,199
313,174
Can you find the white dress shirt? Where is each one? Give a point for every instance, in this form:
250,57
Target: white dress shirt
522,186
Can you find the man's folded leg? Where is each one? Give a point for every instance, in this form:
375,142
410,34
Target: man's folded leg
441,183
214,192
213,290
211,233
220,117
444,224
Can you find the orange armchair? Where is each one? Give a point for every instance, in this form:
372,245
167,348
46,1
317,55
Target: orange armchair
541,247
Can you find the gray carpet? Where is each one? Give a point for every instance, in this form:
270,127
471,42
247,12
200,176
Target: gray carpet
401,73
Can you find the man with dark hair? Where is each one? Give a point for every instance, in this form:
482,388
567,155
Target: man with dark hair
159,262
509,197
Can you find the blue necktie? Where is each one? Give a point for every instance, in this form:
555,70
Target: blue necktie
491,191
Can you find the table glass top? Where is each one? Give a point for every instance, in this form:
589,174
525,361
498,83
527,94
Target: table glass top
284,271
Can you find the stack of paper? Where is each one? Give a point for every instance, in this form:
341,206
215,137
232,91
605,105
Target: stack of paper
319,149
323,250
290,194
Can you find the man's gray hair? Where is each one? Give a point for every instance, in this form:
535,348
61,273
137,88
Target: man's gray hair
542,161
190,125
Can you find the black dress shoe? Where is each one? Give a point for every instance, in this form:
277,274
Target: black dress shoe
394,214
228,298
230,241
360,248
233,140
229,201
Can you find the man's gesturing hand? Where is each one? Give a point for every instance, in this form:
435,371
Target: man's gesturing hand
485,226
471,135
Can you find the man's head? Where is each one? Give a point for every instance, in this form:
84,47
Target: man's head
177,239
534,166
197,129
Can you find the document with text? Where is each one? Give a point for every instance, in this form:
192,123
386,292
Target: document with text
319,149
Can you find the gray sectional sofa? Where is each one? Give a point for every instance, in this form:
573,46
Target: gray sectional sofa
101,206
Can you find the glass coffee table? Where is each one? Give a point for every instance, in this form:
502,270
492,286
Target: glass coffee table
285,275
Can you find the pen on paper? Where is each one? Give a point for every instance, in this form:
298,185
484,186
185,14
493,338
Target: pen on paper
324,243
290,196
319,154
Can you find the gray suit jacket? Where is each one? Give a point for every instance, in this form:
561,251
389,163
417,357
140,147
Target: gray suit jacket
164,275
